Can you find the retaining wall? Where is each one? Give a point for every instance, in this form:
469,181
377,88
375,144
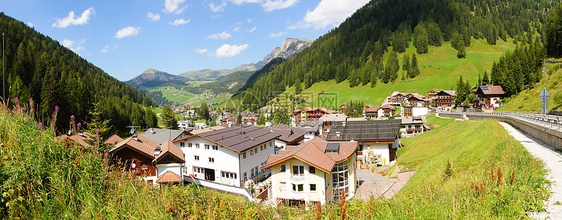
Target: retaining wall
546,132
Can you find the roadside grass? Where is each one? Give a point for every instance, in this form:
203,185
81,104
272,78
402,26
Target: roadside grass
528,100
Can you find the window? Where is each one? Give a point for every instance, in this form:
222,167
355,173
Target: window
298,187
182,144
245,176
283,186
211,160
257,170
196,158
313,187
270,144
244,155
206,147
196,145
311,170
261,147
251,151
252,171
215,147
298,170
228,175
198,170
189,144
282,168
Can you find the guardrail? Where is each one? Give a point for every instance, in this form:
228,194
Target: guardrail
551,121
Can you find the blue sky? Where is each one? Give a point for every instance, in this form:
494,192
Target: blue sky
126,37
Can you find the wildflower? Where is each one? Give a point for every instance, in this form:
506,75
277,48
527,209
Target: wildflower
16,98
97,130
96,157
72,117
106,154
79,124
56,108
97,152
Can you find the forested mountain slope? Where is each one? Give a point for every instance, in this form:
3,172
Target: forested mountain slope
358,50
40,68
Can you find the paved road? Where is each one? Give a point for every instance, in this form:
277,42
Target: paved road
553,161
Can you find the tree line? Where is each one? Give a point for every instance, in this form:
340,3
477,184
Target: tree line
41,69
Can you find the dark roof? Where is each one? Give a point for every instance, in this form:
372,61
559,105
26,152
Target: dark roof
491,90
333,147
240,137
365,131
138,143
288,134
160,136
446,93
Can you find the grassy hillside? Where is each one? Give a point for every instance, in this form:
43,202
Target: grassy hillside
528,100
43,178
440,69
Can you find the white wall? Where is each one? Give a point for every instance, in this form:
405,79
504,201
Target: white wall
257,159
418,111
318,178
174,167
376,149
308,136
225,159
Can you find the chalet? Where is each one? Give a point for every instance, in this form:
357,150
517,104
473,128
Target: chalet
398,98
444,100
378,111
146,158
227,159
386,111
250,118
412,125
377,140
432,94
312,128
112,140
288,136
343,107
489,96
309,114
327,121
315,171
418,101
409,111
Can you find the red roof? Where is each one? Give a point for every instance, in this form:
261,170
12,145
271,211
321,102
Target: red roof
169,177
114,139
169,148
491,90
140,144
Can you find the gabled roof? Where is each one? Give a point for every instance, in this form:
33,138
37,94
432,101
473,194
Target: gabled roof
313,153
446,92
491,90
79,138
169,177
160,136
414,120
288,134
114,139
238,138
365,131
333,117
141,144
170,149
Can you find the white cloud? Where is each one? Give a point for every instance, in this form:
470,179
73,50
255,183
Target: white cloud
329,12
278,34
252,30
227,50
219,7
73,20
278,4
239,2
174,6
237,28
30,24
223,35
153,17
179,22
71,43
127,31
200,51
109,47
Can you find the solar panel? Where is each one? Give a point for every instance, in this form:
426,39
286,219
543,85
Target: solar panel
485,88
333,148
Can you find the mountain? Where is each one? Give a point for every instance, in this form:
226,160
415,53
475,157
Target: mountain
357,52
41,69
289,48
152,77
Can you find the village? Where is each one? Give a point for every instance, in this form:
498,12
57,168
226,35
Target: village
319,156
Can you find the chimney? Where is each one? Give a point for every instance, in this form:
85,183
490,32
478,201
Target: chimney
157,150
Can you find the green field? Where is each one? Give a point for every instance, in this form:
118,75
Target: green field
440,69
182,96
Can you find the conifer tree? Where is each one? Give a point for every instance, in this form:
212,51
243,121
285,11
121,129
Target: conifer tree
406,64
414,69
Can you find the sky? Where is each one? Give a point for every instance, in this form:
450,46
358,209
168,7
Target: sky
126,37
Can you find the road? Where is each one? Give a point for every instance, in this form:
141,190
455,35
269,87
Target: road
553,161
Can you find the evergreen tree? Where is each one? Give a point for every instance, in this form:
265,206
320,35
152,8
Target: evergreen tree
97,123
204,111
485,79
457,41
466,36
421,39
414,69
169,118
298,88
406,64
434,34
392,68
461,53
554,32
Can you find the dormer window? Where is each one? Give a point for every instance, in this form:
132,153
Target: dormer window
333,148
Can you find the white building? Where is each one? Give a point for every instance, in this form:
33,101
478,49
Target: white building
231,156
315,171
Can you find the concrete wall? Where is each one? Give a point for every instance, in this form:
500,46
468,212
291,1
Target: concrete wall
548,134
308,178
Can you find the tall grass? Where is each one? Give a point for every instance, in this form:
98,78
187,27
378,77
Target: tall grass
44,178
